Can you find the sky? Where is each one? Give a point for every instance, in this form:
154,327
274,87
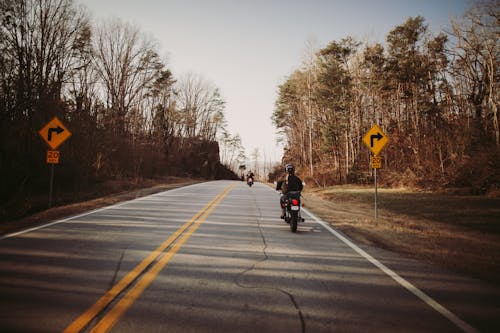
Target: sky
248,48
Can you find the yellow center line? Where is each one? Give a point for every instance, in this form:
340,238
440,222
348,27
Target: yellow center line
108,321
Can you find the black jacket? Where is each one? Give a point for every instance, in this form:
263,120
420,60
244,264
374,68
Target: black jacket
294,183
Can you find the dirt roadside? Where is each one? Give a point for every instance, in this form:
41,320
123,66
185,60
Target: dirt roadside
60,212
461,233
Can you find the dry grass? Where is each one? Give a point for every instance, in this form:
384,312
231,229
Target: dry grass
458,232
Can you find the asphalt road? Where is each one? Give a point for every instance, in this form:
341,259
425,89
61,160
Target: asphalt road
215,257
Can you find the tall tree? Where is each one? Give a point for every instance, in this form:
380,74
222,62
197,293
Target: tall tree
232,152
476,63
291,114
310,68
335,96
127,63
201,107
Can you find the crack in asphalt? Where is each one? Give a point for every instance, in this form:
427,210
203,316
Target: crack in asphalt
117,269
266,257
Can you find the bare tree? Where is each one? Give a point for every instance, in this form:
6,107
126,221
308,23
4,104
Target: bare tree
291,116
127,63
309,64
477,57
201,107
256,160
39,37
232,152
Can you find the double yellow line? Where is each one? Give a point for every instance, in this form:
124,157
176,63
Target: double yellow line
143,276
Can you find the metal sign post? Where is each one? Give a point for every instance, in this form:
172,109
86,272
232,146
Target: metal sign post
375,139
376,193
51,184
376,163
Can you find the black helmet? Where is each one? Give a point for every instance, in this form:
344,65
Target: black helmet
289,168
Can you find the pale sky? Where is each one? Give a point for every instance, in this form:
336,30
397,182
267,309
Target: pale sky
247,48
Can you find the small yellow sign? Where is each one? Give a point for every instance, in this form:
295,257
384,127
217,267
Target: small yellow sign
53,156
54,133
375,139
376,162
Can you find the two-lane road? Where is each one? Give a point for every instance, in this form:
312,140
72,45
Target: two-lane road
215,257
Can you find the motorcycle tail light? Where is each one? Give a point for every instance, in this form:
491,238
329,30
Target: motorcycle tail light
295,202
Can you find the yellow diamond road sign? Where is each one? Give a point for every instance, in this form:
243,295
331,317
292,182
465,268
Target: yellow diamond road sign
54,133
375,139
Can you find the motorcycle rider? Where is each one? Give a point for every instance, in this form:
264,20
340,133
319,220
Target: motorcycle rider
250,175
289,183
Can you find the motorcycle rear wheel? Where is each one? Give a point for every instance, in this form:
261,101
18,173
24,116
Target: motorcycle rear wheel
293,221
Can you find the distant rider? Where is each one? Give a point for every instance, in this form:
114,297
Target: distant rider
288,184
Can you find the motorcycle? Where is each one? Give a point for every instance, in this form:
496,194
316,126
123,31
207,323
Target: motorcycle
250,181
292,209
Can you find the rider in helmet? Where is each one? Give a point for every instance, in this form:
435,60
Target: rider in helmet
290,183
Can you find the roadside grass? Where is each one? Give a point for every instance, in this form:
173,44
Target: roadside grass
461,233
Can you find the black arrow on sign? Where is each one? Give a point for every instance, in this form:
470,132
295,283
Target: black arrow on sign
378,136
57,129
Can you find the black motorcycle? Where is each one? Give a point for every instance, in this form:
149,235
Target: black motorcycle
292,213
250,181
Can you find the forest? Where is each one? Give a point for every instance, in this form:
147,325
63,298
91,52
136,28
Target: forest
129,117
435,96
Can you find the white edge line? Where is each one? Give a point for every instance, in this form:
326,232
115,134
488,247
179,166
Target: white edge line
18,233
410,287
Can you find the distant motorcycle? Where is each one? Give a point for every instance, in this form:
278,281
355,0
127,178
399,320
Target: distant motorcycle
250,181
292,212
